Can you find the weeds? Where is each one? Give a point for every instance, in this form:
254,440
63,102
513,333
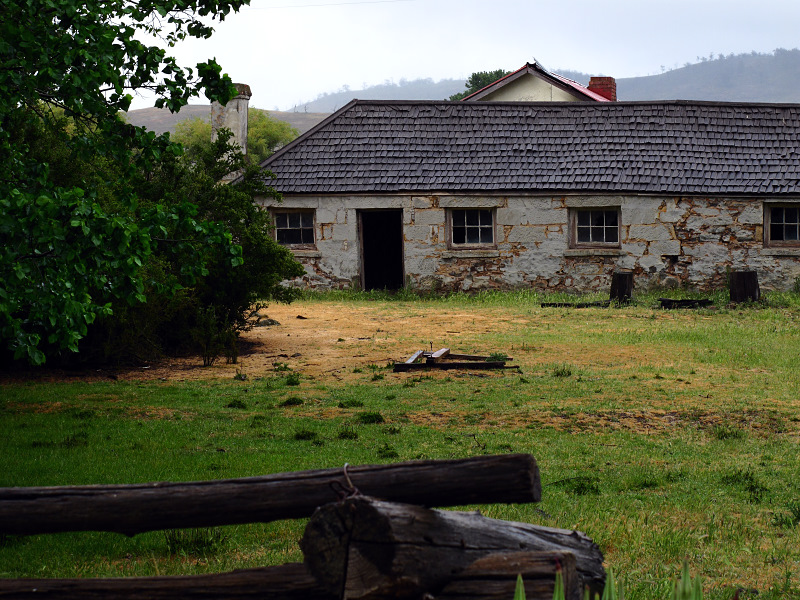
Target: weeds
790,518
387,452
291,401
194,541
370,418
727,432
347,434
563,370
350,403
748,482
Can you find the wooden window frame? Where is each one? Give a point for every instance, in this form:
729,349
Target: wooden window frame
302,211
573,227
471,245
769,242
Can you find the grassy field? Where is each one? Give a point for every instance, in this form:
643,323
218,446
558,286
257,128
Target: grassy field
664,435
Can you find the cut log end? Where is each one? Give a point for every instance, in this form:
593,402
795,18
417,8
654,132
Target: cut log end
364,548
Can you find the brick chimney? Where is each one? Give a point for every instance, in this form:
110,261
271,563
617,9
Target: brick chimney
233,116
605,86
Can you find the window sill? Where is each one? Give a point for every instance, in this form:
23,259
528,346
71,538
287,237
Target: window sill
784,251
303,253
471,253
593,252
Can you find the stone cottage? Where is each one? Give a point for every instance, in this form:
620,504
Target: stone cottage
550,195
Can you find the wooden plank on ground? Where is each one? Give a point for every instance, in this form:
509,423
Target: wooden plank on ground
439,355
415,356
448,366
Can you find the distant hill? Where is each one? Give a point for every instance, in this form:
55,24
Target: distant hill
737,78
753,77
418,89
161,120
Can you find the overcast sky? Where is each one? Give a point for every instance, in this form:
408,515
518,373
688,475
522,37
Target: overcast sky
290,51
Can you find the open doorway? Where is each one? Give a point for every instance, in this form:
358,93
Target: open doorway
381,233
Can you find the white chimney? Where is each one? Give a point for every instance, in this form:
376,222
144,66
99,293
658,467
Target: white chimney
233,116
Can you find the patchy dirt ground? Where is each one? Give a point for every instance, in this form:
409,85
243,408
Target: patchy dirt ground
330,340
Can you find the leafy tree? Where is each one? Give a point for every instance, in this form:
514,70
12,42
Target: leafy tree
66,255
216,308
478,81
265,135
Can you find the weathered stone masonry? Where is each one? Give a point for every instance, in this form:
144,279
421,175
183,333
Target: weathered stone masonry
549,195
665,241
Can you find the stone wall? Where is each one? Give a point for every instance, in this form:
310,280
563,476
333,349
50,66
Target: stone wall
665,241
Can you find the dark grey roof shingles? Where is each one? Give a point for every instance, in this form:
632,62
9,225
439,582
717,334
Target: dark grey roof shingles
671,147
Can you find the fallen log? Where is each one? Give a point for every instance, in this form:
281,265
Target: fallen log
685,303
449,366
367,549
285,582
494,577
132,509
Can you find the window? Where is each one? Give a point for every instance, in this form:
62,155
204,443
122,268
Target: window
594,227
472,227
782,225
295,227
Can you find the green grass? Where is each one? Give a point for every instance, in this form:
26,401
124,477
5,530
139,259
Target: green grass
664,435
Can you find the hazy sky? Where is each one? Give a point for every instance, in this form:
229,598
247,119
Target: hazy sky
290,51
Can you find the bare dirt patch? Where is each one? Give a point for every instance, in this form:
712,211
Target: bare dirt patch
327,340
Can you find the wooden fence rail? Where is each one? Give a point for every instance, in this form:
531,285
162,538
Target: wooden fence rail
132,509
356,546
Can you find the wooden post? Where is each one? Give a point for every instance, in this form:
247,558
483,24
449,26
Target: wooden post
132,509
621,286
364,548
744,286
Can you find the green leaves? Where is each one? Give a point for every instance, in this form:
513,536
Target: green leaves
73,241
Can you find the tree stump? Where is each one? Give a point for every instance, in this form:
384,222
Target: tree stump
744,286
621,286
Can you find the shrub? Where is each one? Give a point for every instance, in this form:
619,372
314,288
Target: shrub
293,401
370,418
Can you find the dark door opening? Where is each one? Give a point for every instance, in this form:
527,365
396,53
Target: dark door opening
381,249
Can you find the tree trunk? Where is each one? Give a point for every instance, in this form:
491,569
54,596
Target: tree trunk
744,286
621,286
286,582
132,509
367,549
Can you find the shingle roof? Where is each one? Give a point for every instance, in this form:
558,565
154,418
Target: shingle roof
677,147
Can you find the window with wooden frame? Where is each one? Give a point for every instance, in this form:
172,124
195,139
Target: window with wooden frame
294,227
471,227
594,227
782,225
